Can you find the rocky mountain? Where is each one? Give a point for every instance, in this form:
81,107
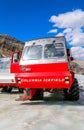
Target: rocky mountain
77,66
80,62
8,45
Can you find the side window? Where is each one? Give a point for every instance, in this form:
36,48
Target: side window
16,57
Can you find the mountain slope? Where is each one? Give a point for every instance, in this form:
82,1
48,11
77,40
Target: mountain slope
9,44
80,62
77,66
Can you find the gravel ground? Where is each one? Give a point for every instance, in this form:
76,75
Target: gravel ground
49,114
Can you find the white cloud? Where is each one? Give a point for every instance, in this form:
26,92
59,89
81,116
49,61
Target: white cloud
53,31
77,52
71,24
69,19
74,36
60,34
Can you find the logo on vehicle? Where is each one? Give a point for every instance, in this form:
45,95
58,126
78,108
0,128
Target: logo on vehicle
23,68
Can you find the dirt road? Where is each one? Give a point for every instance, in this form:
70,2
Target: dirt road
41,115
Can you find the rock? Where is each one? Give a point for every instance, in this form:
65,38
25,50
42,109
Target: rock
76,67
9,44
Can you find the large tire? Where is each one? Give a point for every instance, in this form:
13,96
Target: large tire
38,95
7,89
73,93
20,90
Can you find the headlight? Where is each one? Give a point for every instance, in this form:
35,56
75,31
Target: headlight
19,80
67,80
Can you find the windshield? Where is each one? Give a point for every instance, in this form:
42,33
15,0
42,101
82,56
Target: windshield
54,50
32,52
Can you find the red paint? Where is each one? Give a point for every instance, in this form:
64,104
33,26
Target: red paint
45,76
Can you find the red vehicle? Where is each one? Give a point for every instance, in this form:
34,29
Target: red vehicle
44,65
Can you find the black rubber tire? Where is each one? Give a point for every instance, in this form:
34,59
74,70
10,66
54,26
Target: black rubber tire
73,93
20,90
6,89
38,95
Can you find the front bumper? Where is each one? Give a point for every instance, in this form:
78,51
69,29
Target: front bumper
44,80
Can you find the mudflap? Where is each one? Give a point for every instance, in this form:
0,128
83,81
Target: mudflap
31,94
38,95
27,94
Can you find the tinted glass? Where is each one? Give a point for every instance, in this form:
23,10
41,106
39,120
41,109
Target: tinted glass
54,50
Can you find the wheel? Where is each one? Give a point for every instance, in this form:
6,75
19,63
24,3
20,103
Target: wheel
73,93
38,95
7,89
20,90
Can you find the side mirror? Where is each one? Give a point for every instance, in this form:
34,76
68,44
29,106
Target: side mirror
70,58
68,52
15,60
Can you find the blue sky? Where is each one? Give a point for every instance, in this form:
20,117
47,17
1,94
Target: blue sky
30,19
